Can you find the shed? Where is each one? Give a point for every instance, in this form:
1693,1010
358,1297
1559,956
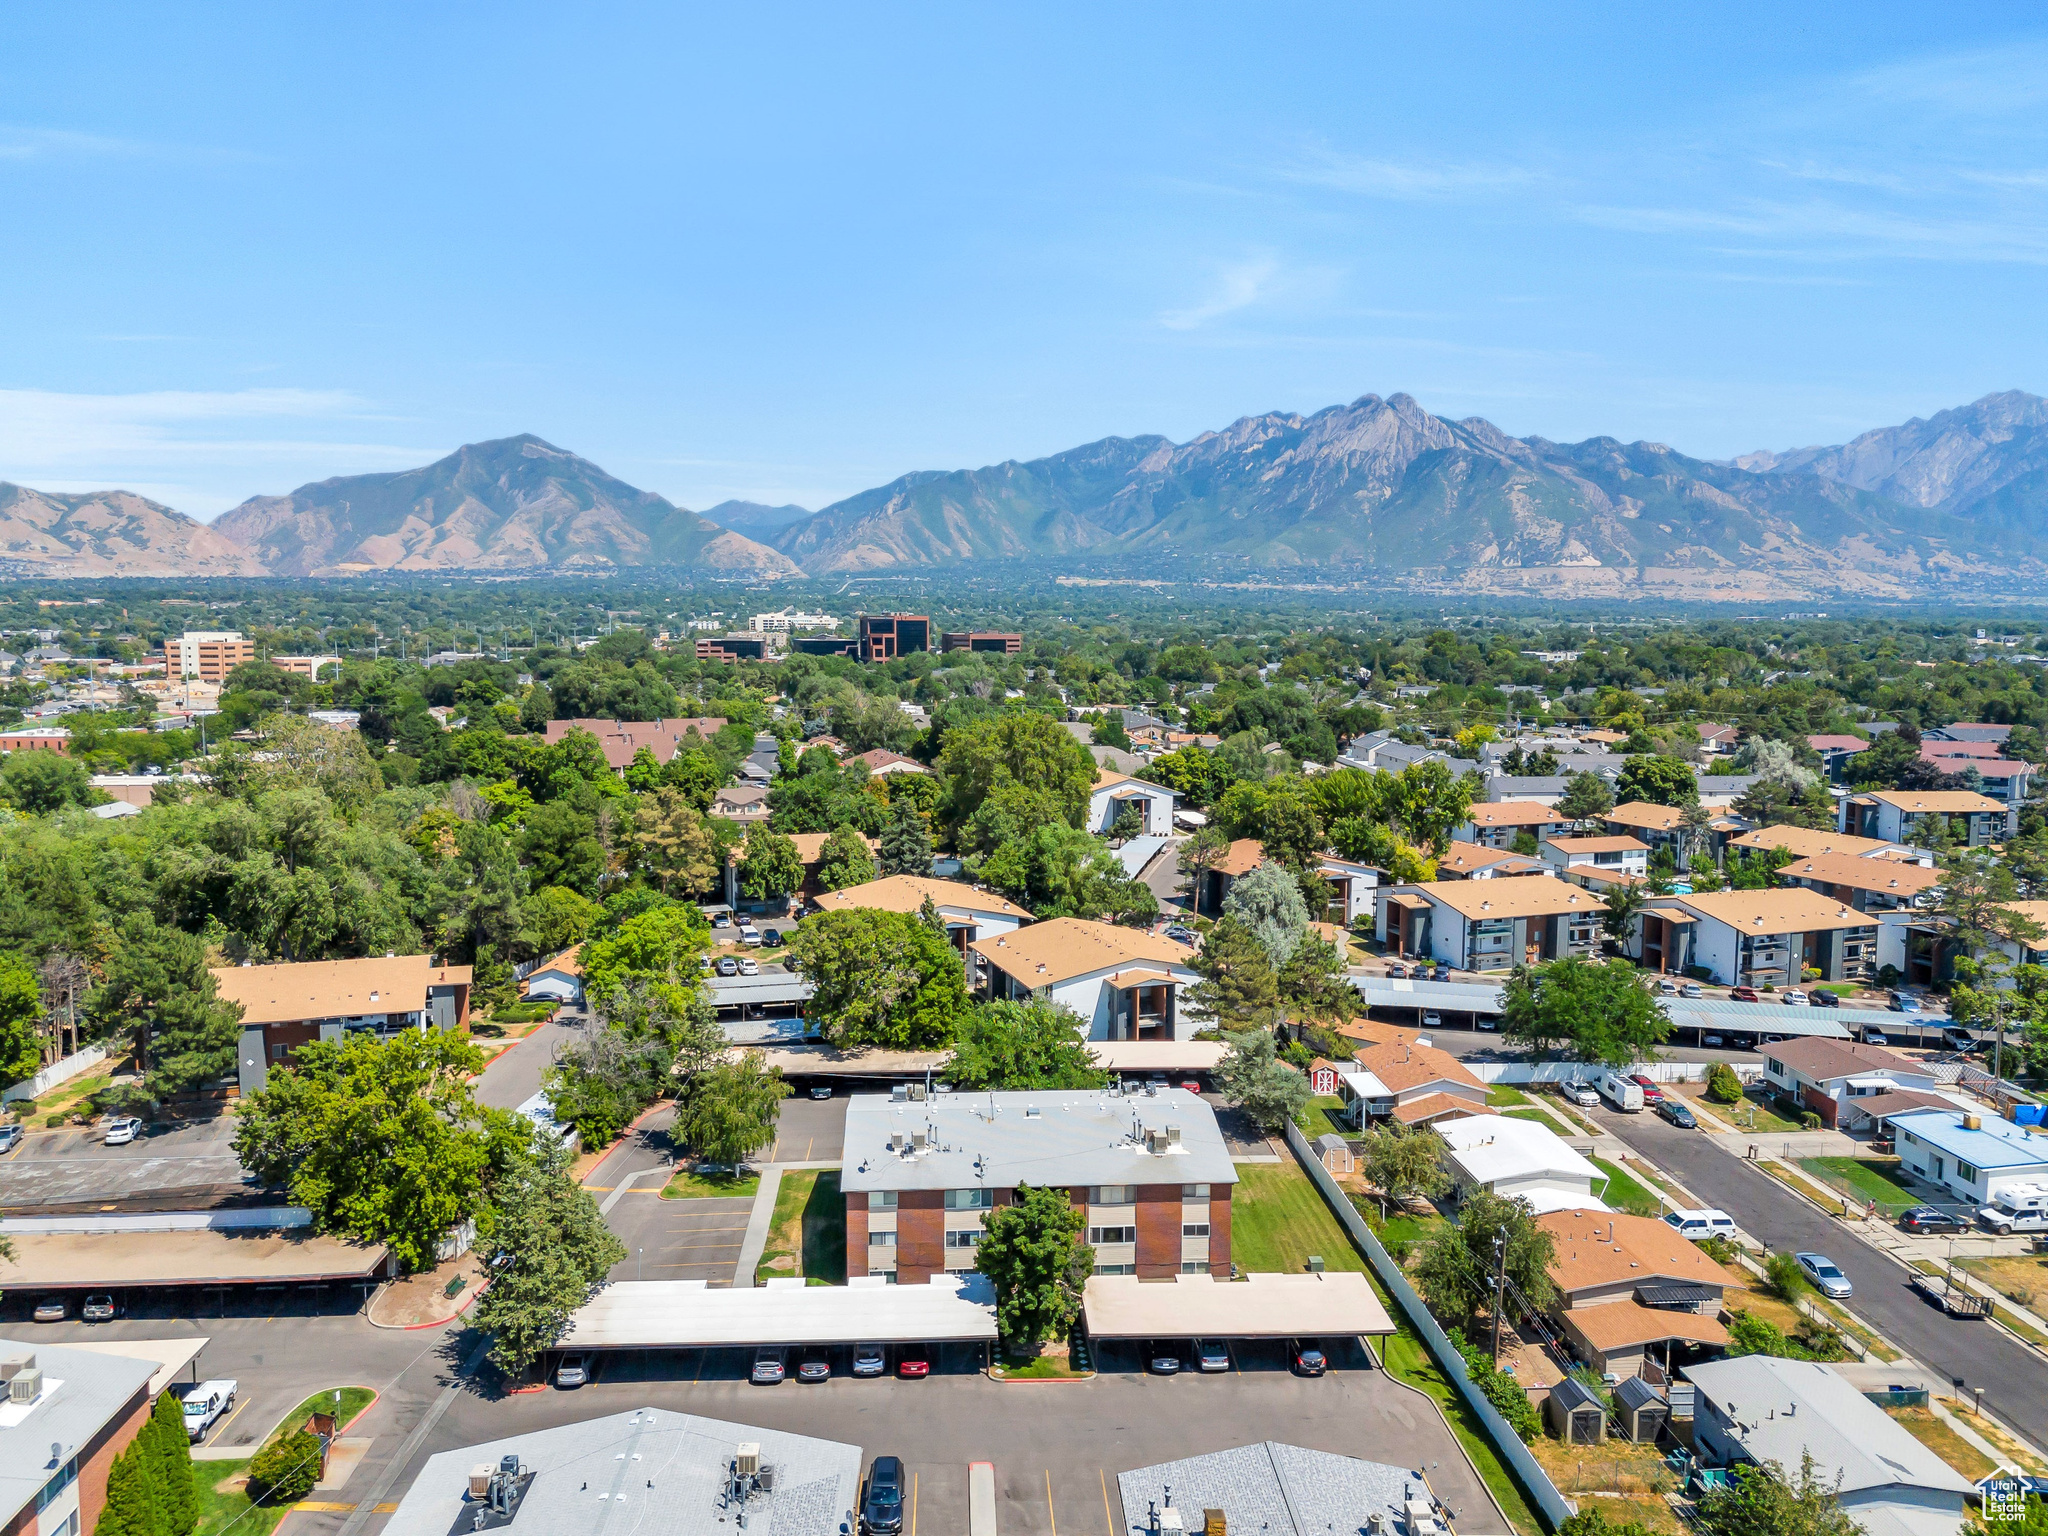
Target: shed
1334,1153
1642,1410
1576,1414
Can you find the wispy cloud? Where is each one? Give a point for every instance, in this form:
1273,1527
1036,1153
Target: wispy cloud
1403,180
1237,287
24,142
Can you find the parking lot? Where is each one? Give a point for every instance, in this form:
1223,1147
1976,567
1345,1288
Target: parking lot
810,1130
168,1167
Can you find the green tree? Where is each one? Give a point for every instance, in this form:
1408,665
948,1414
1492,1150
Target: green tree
556,919
1625,904
1032,1253
1763,1501
672,843
1027,750
157,991
846,860
1593,1521
1455,1269
1402,1162
285,1470
1657,781
906,840
1034,1044
656,1036
1238,989
561,848
661,944
1586,795
728,1113
1723,1086
382,1139
880,978
1252,1077
170,1463
770,866
547,1253
1055,870
1267,901
21,1004
1600,1009
1314,983
131,1508
41,782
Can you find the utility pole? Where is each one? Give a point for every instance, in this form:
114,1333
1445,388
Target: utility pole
1998,1043
1500,1282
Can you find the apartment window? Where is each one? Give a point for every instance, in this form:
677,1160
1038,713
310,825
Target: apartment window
1194,1191
57,1484
1116,1269
1194,1229
277,1053
1113,1194
963,1239
1195,1267
882,1239
1967,1172
970,1199
882,1200
1101,1235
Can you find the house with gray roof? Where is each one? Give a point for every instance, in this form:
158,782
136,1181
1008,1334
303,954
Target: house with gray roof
1280,1490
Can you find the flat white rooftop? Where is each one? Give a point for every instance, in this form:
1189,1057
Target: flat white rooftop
688,1314
1260,1306
1157,1055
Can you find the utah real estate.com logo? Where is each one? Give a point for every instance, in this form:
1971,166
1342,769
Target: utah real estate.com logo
2005,1497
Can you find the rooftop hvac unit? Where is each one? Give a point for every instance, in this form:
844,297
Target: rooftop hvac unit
480,1480
899,1093
747,1461
1155,1141
918,1141
1213,1523
917,1091
25,1383
1173,1135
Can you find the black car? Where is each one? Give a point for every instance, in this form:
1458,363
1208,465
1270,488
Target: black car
1928,1218
1305,1357
772,939
1821,997
881,1512
1677,1114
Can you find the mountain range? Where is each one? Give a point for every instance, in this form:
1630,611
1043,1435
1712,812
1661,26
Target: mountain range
1378,492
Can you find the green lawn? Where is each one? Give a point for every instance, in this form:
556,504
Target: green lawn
353,1401
1408,1360
1277,1220
1624,1193
1738,1115
1500,1096
1322,1117
807,1233
219,1510
698,1186
1869,1177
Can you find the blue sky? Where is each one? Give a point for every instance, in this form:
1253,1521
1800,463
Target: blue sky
792,253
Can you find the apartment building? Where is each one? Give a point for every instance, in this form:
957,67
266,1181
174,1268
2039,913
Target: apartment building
1124,983
1828,1076
1489,925
287,1006
968,914
1915,816
1750,938
69,1413
1868,885
1609,855
1114,791
1151,1170
1497,825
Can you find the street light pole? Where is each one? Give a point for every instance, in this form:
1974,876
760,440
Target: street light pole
1500,1280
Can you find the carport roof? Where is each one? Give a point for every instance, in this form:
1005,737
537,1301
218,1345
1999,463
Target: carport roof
77,1260
1262,1306
688,1314
1768,1018
1157,1055
1458,996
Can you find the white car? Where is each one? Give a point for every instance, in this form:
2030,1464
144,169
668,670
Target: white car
749,966
1826,1277
1797,999
1666,987
750,935
123,1129
1581,1095
1691,989
1695,1225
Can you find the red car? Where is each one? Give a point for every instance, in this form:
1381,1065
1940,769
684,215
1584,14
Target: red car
1652,1094
1743,995
913,1360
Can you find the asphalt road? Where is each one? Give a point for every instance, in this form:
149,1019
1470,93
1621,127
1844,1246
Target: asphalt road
2014,1377
513,1075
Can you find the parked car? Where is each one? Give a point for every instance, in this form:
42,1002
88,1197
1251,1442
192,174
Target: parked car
1212,1355
1821,997
204,1404
728,966
574,1371
1958,1039
1691,989
721,920
749,966
1931,1218
750,936
881,1512
10,1138
51,1309
123,1129
1903,1002
100,1307
816,1365
2017,1209
913,1361
1162,1358
1676,1112
1794,998
1666,986
1190,1085
1397,972
1743,995
1489,1021
821,1090
1580,1095
1432,1020
1827,1278
1305,1357
1182,935
1698,1224
1619,1091
772,939
771,1364
1872,1035
1441,973
1652,1094
870,1360
1714,1040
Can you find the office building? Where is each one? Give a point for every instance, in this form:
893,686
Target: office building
884,637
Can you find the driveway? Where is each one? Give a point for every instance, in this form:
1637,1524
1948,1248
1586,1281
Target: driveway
2014,1377
513,1075
809,1130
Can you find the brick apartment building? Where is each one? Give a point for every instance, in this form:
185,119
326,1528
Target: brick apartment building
211,654
287,1006
988,641
84,1410
1151,1170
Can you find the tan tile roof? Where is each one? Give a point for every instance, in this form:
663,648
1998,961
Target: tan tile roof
1944,802
622,739
1616,1324
878,759
1515,813
1621,844
1241,857
1887,876
907,893
332,989
1640,813
1467,858
1789,909
1523,896
1065,947
1641,1248
1807,843
810,846
1434,1106
1402,1064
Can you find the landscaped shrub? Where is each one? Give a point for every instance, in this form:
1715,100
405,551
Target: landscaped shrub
285,1470
1784,1276
1723,1086
1506,1394
1810,1121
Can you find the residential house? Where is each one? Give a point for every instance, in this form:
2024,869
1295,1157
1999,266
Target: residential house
1748,938
1718,740
1835,752
1654,826
1631,1290
1610,855
968,914
70,1412
1868,885
287,1006
743,803
1807,843
1151,1171
1114,791
1914,816
1477,861
810,852
1973,1157
1124,983
1763,1410
1496,825
559,980
1384,752
1490,925
1396,1074
881,764
1517,1158
1824,1075
621,740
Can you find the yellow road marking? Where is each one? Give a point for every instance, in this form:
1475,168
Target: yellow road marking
1048,1503
913,1504
1107,1522
319,1508
222,1427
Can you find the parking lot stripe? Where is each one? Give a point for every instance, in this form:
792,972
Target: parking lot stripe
1108,1523
1055,1519
224,1423
913,1504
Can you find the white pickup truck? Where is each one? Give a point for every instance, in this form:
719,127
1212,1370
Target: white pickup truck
204,1404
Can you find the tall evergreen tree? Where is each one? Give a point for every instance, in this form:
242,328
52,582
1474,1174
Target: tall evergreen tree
906,842
171,1459
1238,989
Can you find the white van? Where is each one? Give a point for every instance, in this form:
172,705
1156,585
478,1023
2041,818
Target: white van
1620,1091
1696,1225
2017,1208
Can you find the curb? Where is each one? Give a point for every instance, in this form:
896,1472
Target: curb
442,1322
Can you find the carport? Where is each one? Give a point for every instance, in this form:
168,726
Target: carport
1471,999
1753,1021
153,1257
689,1314
1261,1306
